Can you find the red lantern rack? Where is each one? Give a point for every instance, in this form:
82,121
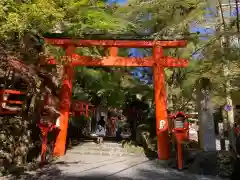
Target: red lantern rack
5,111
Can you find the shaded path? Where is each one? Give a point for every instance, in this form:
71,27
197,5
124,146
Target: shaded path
87,167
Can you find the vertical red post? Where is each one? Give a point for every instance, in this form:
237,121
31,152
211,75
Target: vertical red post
44,145
113,51
161,105
86,110
179,155
65,102
81,108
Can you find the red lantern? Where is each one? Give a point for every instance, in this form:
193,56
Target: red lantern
180,131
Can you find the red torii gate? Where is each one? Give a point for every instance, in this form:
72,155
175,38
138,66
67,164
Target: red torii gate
81,108
158,61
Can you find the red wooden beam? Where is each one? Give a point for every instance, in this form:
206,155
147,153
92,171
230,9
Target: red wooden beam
10,91
78,60
12,102
6,112
116,43
173,62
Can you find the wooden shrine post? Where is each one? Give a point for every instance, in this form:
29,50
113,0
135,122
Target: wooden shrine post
161,105
158,61
161,62
65,104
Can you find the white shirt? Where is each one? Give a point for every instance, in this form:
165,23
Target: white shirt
58,122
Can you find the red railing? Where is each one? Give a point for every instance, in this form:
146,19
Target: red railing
4,110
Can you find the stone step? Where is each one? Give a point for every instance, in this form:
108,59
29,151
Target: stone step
100,148
105,149
107,144
104,153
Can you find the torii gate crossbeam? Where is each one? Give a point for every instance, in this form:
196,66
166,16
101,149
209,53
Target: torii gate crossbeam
158,61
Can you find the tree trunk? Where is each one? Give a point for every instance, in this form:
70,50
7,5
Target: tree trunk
230,113
226,71
206,125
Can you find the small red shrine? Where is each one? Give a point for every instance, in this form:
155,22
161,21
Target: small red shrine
157,61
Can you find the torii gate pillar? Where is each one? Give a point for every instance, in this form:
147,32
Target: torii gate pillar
161,106
65,100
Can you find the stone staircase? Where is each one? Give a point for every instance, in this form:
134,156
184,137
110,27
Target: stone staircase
108,148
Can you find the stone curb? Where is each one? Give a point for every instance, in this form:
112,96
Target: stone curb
104,153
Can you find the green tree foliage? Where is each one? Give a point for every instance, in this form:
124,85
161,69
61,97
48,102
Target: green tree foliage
107,87
21,25
171,20
73,16
163,18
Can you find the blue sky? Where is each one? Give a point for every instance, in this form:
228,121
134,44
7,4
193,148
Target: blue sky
133,52
119,1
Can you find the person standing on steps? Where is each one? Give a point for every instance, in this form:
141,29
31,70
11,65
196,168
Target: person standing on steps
101,130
